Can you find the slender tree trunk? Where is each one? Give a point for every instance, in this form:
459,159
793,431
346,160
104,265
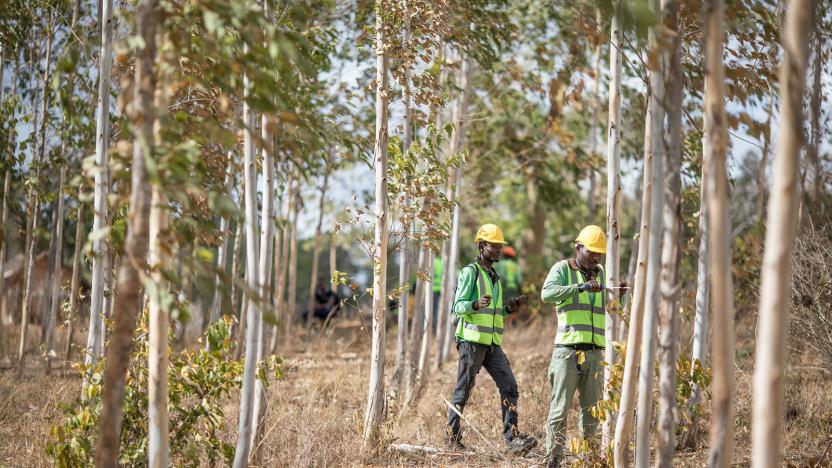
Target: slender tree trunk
34,203
292,292
76,279
57,268
157,363
421,368
644,410
264,276
703,267
244,434
770,356
316,256
594,109
375,397
444,327
624,424
816,12
100,208
280,302
128,294
222,251
613,258
761,177
235,276
5,318
421,307
672,219
722,408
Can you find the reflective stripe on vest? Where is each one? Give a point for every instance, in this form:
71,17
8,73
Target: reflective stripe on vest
579,319
484,326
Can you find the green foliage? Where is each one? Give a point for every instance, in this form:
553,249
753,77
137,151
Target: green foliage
200,383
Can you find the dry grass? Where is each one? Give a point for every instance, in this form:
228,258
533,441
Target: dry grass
316,411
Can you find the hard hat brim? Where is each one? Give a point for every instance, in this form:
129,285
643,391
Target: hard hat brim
596,249
476,241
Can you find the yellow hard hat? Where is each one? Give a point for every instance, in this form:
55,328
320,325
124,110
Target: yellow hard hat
490,233
592,237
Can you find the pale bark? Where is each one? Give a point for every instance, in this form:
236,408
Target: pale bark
644,410
280,286
222,250
624,424
703,267
449,268
235,276
5,318
244,434
594,110
761,176
264,275
292,291
722,408
672,219
128,294
76,280
316,256
100,208
776,286
158,451
33,202
375,397
57,266
613,257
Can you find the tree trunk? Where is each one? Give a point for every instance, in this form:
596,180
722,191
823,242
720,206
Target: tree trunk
235,276
76,279
100,206
316,256
128,297
775,289
594,109
427,335
222,251
34,203
672,219
613,258
56,268
722,409
644,411
5,317
157,363
624,424
264,276
292,291
280,287
375,397
244,434
761,177
816,100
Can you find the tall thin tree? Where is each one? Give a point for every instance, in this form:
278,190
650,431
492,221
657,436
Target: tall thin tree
158,450
128,294
775,289
375,397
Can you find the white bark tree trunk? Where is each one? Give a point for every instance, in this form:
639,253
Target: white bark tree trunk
316,256
100,209
128,289
76,280
594,109
244,434
158,454
644,411
613,258
722,408
292,291
375,398
222,250
624,424
672,219
57,268
770,356
5,318
280,287
703,268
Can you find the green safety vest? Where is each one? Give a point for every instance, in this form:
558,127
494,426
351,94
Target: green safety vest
484,326
437,274
510,276
579,319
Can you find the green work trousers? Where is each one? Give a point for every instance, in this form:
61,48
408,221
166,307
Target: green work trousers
566,376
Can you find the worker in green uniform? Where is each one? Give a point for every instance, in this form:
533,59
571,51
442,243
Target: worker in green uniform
576,287
478,304
509,272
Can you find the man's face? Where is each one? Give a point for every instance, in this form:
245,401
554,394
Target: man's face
493,252
587,259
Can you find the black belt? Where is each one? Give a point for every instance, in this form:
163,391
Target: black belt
581,346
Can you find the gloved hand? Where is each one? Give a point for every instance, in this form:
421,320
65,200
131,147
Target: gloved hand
484,301
591,286
515,303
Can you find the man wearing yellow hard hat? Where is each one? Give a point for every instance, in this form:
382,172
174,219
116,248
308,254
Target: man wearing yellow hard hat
576,287
478,307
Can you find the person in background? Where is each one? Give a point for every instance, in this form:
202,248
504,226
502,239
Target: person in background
509,272
327,302
479,306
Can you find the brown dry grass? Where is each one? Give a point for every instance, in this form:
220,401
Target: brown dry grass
316,411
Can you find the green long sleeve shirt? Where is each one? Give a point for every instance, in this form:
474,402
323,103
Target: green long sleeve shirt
466,292
557,289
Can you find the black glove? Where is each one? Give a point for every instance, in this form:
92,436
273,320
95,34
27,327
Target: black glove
515,303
